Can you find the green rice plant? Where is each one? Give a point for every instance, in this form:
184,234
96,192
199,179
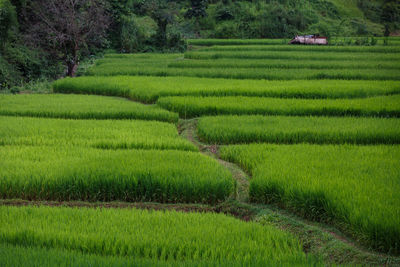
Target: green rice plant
289,130
149,89
88,174
190,107
80,107
293,55
385,41
165,236
143,56
91,133
308,48
248,73
354,187
27,256
135,59
284,64
365,66
210,42
112,61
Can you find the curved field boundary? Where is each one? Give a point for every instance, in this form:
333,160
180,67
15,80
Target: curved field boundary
292,130
190,107
80,107
178,237
353,187
149,89
106,134
78,173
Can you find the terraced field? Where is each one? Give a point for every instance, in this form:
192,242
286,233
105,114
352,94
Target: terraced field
80,107
190,107
290,130
113,134
355,185
297,148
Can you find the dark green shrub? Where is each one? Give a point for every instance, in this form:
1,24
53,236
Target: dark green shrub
226,29
224,13
175,40
9,76
8,21
131,37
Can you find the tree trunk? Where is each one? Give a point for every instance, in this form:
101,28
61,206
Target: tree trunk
162,33
72,67
72,64
197,28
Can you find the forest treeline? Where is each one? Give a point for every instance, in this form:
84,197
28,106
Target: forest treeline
46,39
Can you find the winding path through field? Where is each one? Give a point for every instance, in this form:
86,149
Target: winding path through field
317,238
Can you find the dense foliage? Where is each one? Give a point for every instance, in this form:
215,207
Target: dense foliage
45,41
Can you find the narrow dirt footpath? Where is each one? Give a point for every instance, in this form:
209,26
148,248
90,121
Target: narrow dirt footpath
188,131
317,238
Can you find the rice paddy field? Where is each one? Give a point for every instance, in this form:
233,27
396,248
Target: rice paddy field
147,90
179,236
234,153
190,107
67,173
80,107
291,130
357,185
112,134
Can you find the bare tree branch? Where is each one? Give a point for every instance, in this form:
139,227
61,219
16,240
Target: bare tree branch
67,27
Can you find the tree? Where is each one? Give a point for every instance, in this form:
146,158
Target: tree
197,10
66,28
131,37
163,12
120,12
8,21
390,16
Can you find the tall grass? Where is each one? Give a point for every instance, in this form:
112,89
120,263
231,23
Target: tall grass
27,256
78,173
80,107
189,107
91,133
149,89
151,235
355,187
289,130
